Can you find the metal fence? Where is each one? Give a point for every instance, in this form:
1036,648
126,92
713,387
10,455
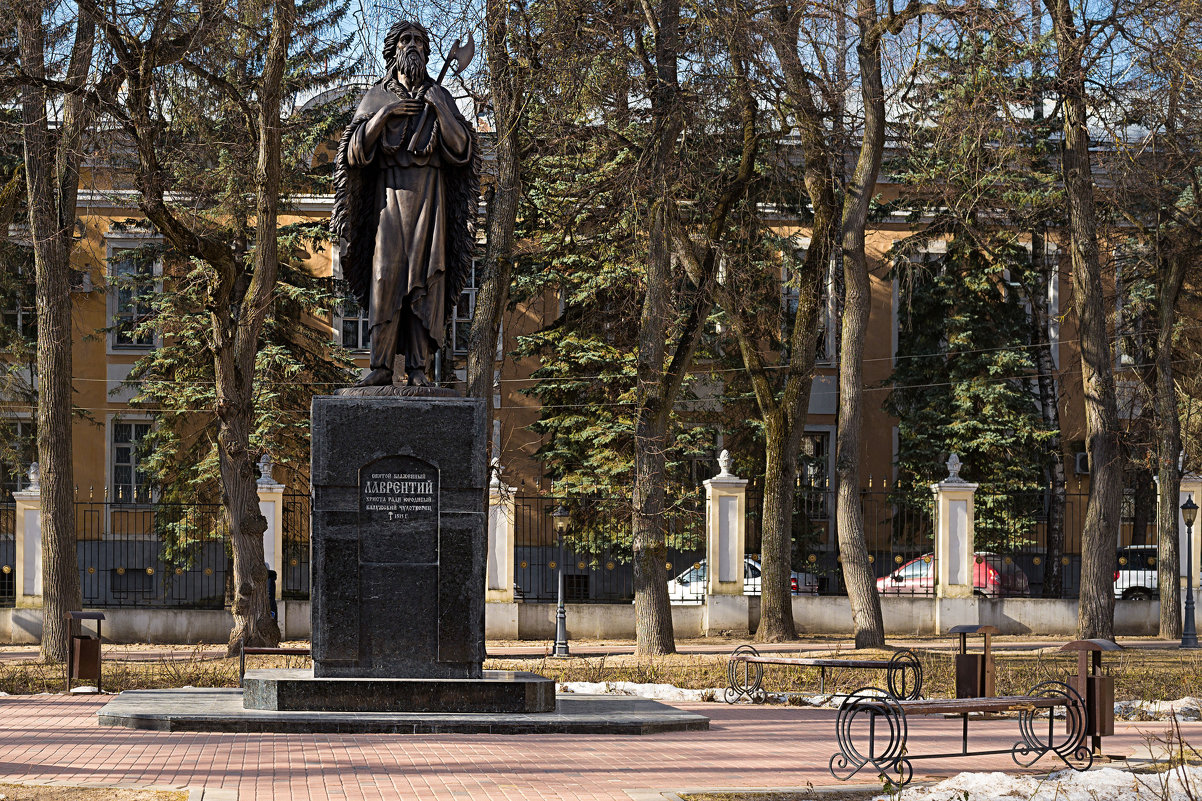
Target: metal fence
596,552
8,554
295,559
1034,541
900,539
165,555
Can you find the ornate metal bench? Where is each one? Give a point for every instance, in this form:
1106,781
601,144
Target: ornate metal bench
745,672
871,729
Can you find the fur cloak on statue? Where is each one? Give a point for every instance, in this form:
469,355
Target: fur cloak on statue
364,193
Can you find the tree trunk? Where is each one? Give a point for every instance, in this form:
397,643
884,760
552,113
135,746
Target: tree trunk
493,293
788,416
52,183
235,347
853,550
1168,433
780,475
1099,539
652,611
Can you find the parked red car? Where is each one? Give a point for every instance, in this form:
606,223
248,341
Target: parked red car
992,577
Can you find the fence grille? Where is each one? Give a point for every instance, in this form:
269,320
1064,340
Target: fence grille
165,555
900,539
596,552
1020,530
8,554
295,574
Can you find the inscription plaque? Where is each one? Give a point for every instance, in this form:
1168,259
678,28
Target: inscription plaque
398,505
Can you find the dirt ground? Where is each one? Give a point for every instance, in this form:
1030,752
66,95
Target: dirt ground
46,792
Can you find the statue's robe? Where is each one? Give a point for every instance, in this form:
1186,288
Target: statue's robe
408,166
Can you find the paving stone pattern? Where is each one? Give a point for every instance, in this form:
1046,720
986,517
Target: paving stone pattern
57,738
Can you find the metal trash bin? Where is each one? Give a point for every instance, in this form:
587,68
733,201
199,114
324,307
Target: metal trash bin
83,654
974,672
1096,688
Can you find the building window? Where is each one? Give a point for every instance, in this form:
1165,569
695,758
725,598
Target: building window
130,484
351,328
134,282
790,292
18,450
1134,299
17,315
813,474
461,318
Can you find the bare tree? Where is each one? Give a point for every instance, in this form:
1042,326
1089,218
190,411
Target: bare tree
509,50
53,154
782,392
1099,538
240,278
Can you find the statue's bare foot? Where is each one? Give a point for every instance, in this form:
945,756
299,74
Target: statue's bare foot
378,377
417,378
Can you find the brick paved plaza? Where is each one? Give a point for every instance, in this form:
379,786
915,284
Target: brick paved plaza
56,738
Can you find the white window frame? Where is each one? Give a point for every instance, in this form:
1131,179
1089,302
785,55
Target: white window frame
832,523
115,245
338,317
799,246
111,421
457,320
1121,256
20,312
22,470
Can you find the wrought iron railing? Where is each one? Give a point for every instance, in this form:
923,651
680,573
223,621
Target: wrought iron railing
295,563
596,551
8,554
160,555
899,538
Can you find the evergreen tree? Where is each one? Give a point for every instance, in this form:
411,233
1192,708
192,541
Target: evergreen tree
221,139
974,372
963,384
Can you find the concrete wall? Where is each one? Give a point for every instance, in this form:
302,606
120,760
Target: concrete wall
528,621
166,626
593,621
827,615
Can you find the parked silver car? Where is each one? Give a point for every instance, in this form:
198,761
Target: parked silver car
689,586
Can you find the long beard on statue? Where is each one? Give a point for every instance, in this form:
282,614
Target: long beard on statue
413,65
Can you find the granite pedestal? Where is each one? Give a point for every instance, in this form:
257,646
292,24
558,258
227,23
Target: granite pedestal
398,537
497,692
221,710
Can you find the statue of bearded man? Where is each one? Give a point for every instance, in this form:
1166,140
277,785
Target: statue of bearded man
407,186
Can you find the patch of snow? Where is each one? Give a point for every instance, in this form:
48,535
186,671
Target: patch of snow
84,689
1183,709
658,692
1111,784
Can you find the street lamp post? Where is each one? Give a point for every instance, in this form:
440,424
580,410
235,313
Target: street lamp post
560,520
1189,634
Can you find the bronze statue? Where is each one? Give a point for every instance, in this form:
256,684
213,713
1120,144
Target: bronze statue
407,187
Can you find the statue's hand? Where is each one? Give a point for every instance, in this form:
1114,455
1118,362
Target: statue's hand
408,107
438,101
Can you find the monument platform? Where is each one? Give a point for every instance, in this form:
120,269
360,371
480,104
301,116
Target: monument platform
499,691
221,710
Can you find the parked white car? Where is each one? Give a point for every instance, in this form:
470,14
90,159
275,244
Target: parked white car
1136,574
689,586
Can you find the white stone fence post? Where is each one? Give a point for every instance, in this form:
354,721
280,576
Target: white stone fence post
725,540
27,563
954,535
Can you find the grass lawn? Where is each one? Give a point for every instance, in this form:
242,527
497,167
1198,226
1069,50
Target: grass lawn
1139,673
